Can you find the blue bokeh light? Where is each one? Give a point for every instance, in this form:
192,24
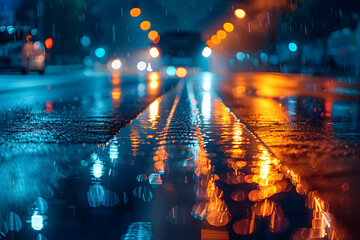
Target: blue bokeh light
293,47
85,41
171,71
100,52
240,56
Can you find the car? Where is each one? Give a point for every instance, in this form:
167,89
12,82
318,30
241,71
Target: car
19,51
181,49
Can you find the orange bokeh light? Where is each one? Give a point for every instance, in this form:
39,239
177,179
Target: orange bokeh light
229,27
154,76
145,25
239,13
209,43
221,34
215,39
181,72
135,12
49,43
153,35
28,38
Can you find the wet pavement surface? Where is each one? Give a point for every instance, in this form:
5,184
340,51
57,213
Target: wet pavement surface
312,125
277,164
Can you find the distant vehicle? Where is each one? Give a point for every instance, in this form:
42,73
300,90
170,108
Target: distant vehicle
182,49
18,51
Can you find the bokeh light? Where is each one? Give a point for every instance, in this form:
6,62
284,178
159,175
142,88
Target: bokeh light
154,76
206,52
209,43
85,41
153,35
240,13
141,66
181,72
293,47
145,25
221,34
229,27
240,56
154,52
100,52
135,12
215,39
171,71
116,64
49,43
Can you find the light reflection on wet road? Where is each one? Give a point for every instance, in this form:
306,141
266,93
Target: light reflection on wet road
311,124
187,168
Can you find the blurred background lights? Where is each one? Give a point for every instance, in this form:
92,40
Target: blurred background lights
229,27
154,76
135,12
263,57
141,66
85,41
145,25
206,83
292,47
206,52
37,44
221,34
209,43
116,64
154,52
240,56
215,39
239,13
181,72
100,52
153,35
34,31
171,71
49,43
37,222
10,29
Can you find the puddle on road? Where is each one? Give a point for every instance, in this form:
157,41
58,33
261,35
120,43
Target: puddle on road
186,168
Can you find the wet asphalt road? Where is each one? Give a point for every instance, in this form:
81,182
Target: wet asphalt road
281,163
